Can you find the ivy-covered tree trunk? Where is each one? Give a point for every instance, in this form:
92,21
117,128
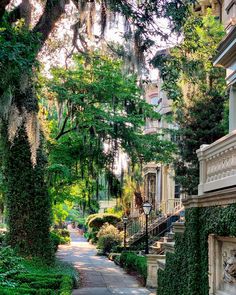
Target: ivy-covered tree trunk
27,200
28,203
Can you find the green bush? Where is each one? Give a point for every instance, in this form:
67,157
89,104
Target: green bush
112,256
66,285
99,219
108,237
63,233
45,283
81,223
91,236
10,265
19,276
55,238
95,221
117,259
28,277
25,291
60,237
133,262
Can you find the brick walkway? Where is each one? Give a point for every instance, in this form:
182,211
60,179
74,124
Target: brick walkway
99,276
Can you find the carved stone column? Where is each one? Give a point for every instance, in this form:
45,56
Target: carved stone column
202,169
232,109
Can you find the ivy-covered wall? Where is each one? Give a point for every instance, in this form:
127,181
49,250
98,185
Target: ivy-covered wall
186,271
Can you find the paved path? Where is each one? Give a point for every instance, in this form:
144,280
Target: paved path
99,276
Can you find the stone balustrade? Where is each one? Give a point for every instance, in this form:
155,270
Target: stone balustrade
217,164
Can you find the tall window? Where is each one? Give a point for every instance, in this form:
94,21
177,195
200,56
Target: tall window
177,191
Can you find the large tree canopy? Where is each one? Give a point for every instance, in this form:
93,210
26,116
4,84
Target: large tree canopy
98,112
199,93
102,105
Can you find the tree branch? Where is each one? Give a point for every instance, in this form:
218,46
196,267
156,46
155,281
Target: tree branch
63,127
65,132
52,12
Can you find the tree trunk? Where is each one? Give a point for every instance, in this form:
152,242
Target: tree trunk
27,200
28,203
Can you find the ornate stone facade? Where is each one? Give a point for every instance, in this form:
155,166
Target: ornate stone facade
159,184
222,265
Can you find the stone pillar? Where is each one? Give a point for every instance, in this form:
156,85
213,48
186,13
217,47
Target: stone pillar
152,268
232,108
202,169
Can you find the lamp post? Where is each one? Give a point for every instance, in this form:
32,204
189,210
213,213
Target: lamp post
125,220
147,207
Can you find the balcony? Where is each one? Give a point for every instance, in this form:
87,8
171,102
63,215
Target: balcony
217,164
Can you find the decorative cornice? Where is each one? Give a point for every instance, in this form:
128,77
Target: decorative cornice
150,168
226,49
218,198
229,6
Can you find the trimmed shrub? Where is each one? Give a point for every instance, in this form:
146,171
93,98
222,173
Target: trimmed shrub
10,265
60,237
133,262
40,284
96,221
63,233
91,216
28,277
45,283
66,286
55,238
108,238
99,219
117,259
25,291
19,276
91,236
